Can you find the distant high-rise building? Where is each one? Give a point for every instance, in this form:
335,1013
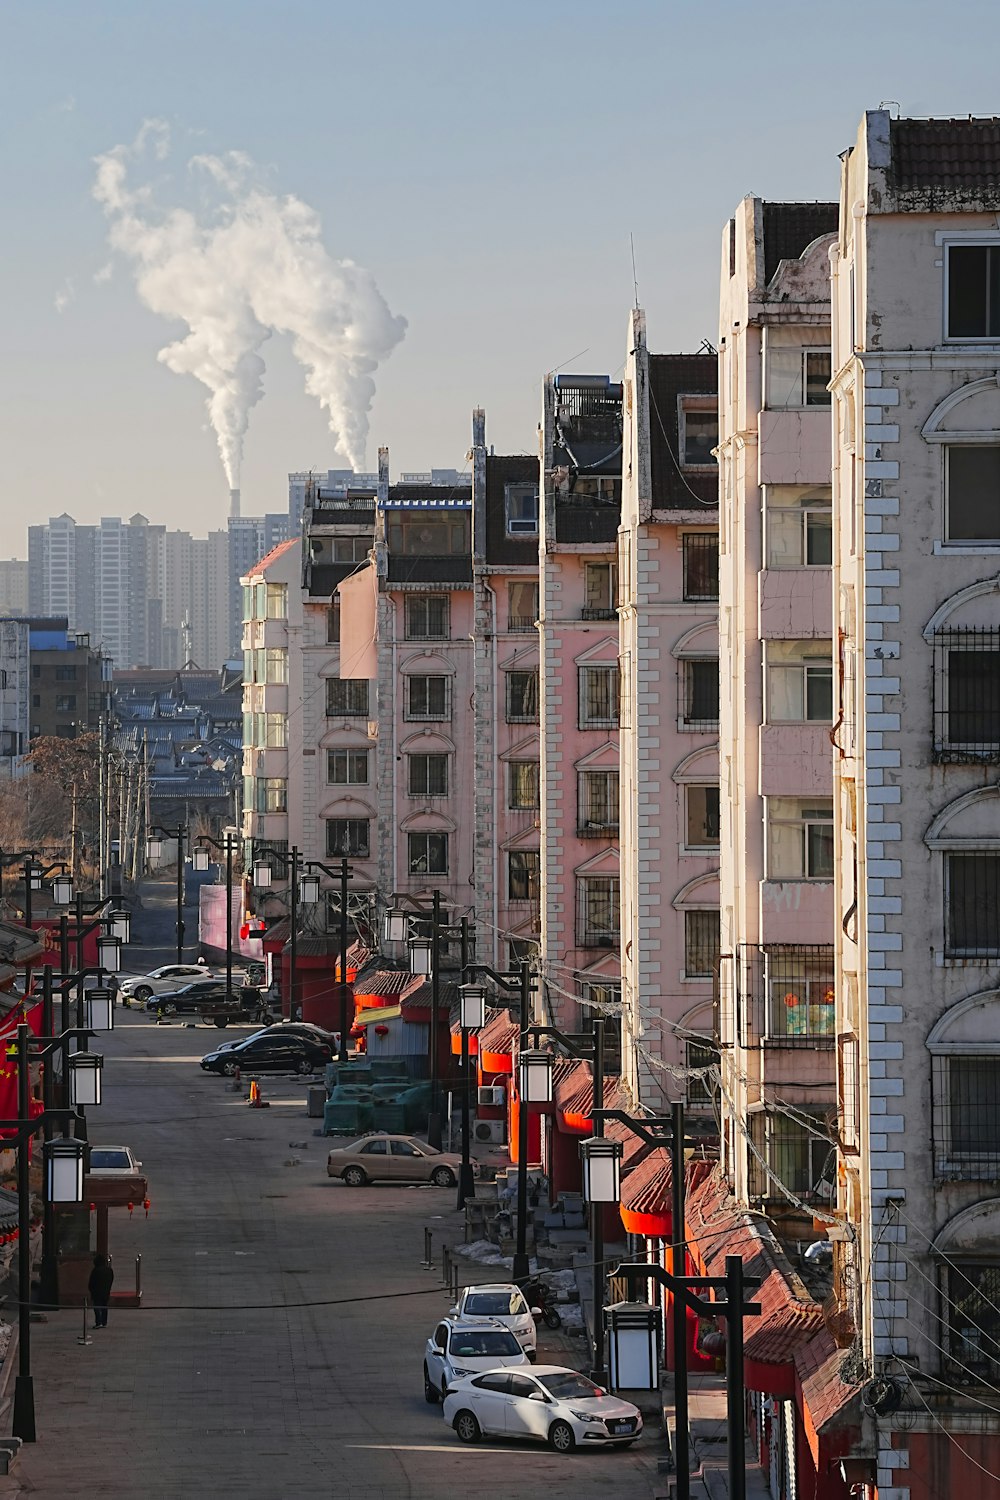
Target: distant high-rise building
13,586
250,539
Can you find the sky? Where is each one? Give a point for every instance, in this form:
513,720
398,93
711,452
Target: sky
489,167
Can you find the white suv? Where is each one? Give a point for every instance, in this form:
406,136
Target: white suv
159,981
500,1302
458,1347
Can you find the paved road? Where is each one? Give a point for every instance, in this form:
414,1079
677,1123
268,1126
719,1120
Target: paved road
278,1353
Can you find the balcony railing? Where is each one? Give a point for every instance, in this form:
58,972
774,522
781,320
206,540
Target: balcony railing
517,623
780,995
591,830
592,613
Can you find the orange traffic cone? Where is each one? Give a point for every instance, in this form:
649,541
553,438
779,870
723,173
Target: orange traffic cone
254,1099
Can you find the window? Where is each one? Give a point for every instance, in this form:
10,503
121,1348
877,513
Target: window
600,583
428,697
803,1159
275,665
966,695
427,617
347,836
522,606
277,601
428,775
699,688
701,944
799,682
973,291
972,899
272,794
967,1115
523,870
797,377
333,622
972,491
598,687
598,911
702,817
428,533
799,839
800,993
65,674
347,696
799,528
698,1057
270,731
699,435
701,566
523,784
36,671
374,1148
604,1000
522,697
973,1291
427,853
65,702
598,809
347,549
36,700
520,506
347,767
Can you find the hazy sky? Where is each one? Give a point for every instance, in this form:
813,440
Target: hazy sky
486,164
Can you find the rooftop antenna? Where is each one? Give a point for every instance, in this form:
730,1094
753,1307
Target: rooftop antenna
890,105
635,284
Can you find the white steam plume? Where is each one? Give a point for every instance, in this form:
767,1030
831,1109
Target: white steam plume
250,265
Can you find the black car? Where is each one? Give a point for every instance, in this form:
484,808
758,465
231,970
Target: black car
311,1032
189,999
274,1051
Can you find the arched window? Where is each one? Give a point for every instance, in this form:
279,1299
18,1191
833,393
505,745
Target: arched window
965,1052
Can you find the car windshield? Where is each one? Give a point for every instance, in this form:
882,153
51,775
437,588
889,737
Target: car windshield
105,1159
495,1304
570,1386
476,1345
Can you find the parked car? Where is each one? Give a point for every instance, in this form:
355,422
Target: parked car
457,1348
188,999
502,1302
113,1161
271,1051
550,1404
285,1028
159,981
392,1158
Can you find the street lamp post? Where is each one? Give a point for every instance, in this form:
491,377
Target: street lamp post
200,862
472,1000
153,847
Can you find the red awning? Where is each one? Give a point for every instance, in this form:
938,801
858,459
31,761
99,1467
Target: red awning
646,1197
830,1405
497,1041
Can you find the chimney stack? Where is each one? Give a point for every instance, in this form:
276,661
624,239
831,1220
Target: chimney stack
234,502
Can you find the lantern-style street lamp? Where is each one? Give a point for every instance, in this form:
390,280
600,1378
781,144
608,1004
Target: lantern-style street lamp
85,1078
309,890
394,925
154,848
121,925
602,1160
100,1009
261,874
200,859
109,952
421,956
472,1004
64,1169
62,890
535,1074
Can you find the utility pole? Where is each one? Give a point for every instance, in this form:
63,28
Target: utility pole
345,870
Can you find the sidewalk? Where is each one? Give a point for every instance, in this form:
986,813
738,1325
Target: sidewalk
707,1416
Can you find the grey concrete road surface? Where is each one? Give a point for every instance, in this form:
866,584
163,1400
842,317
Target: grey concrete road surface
278,1351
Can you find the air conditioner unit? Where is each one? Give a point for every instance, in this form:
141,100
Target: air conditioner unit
491,1132
492,1094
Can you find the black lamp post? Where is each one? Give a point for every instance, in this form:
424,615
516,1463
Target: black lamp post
309,893
472,1000
200,862
262,879
154,848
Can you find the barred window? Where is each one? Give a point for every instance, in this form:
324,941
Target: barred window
701,566
522,697
347,767
428,775
802,1159
698,683
523,871
967,1116
604,1000
348,836
600,581
598,911
523,784
598,807
427,853
972,900
522,606
428,697
702,944
427,617
697,1057
967,695
973,1312
347,696
598,689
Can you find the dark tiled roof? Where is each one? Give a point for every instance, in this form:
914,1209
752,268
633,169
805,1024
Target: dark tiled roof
670,376
945,153
790,227
323,579
501,470
587,520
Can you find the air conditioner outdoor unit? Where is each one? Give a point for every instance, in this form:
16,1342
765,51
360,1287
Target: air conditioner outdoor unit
491,1132
493,1095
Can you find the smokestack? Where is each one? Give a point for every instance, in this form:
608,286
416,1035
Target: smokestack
234,502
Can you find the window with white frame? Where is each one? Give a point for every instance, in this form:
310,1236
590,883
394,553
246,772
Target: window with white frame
276,603
427,853
272,794
972,493
598,802
427,775
702,943
347,767
600,583
701,821
347,549
698,685
799,527
797,377
520,503
966,1099
967,695
427,617
598,688
347,696
523,873
522,606
348,836
522,697
972,904
275,665
428,697
799,838
523,789
973,300
598,911
799,682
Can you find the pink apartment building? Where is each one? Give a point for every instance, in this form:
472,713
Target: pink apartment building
668,591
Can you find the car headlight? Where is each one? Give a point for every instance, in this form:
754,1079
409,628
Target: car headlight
458,1374
586,1416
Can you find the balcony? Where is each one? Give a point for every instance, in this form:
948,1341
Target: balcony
781,995
518,623
426,569
598,614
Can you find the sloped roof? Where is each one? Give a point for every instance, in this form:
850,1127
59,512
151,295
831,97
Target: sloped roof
945,153
270,557
790,227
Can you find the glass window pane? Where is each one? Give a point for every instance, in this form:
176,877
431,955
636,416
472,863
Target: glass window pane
973,493
784,378
968,272
819,539
817,378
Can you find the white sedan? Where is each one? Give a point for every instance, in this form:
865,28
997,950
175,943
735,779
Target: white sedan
501,1302
551,1404
159,981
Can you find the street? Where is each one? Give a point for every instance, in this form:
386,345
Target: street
278,1349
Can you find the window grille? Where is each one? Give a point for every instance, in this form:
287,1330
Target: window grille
427,617
347,836
804,1161
523,872
598,804
785,995
347,767
347,696
427,853
602,999
598,694
522,697
972,902
967,696
522,606
701,566
524,784
700,1088
701,944
966,1116
428,697
972,1289
428,775
698,690
598,911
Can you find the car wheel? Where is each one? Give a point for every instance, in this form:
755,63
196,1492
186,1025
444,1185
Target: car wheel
221,1021
532,1356
267,1019
304,1066
430,1394
443,1177
467,1427
355,1176
142,992
169,1009
229,1068
561,1437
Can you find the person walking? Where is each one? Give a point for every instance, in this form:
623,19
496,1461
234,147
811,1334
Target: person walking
99,1287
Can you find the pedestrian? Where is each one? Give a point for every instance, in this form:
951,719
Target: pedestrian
99,1287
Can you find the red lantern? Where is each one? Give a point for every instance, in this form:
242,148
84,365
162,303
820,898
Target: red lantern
245,931
145,1204
130,1208
381,1030
93,1208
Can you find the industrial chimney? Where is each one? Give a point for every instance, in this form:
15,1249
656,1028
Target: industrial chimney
234,502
